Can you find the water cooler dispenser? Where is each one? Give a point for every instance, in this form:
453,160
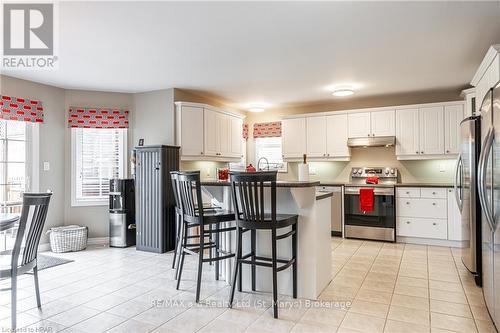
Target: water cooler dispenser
121,213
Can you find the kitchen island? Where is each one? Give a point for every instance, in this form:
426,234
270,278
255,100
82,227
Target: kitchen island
314,251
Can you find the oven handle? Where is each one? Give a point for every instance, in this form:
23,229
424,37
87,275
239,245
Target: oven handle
377,191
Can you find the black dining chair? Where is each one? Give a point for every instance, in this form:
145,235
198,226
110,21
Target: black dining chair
24,258
248,190
208,222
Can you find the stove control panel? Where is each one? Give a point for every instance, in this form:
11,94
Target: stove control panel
384,172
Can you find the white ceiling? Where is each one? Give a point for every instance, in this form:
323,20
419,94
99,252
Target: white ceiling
280,52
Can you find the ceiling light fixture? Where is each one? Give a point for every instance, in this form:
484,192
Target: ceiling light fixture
342,92
256,107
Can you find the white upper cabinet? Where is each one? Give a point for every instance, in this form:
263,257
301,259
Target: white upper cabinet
371,124
206,133
211,132
191,131
336,136
316,136
453,115
224,134
383,123
236,137
431,130
359,125
487,75
294,138
407,132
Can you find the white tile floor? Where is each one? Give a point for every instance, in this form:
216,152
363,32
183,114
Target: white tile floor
377,287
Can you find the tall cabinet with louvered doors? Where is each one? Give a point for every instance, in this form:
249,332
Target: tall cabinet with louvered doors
154,202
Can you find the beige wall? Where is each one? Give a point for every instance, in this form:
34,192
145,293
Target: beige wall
154,117
410,170
51,140
94,217
434,171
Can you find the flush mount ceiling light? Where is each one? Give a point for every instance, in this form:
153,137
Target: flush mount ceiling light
342,92
256,107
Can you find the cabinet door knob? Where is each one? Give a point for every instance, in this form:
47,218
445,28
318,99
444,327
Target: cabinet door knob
434,193
407,203
201,153
416,152
447,152
434,204
421,152
407,222
408,192
434,223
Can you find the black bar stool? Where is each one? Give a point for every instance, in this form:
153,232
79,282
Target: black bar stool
193,215
247,190
179,225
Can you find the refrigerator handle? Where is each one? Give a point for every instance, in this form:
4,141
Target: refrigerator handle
483,164
456,184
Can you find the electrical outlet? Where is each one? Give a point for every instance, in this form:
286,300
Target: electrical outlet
46,166
442,167
312,170
208,173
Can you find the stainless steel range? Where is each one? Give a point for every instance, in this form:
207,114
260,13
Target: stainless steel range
380,223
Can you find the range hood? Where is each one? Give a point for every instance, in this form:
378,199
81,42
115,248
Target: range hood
380,141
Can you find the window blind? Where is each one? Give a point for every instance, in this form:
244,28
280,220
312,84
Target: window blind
99,157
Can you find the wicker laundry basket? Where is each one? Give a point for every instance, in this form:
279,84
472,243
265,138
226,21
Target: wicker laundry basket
68,238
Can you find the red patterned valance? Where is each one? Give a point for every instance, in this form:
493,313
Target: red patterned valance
85,117
267,130
22,109
245,131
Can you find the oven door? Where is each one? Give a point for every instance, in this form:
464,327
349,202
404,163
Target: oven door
378,224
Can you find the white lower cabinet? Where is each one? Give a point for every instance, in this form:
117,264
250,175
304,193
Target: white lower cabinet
422,228
427,213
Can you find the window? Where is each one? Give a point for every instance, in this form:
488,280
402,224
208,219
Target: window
98,155
270,148
18,158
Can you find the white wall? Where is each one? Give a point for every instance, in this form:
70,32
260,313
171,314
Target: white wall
51,140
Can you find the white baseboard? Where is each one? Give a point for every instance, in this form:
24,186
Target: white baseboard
91,241
429,241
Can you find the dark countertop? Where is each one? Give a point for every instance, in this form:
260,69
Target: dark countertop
334,183
279,183
323,195
424,185
329,183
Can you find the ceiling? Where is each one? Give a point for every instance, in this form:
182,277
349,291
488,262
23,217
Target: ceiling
279,52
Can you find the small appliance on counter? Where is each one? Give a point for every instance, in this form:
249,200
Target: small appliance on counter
121,213
369,204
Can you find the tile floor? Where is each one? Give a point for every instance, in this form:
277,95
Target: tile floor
376,287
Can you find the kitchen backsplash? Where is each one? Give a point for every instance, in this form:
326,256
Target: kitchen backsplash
435,171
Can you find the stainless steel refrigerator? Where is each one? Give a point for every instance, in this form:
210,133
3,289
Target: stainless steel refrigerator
489,194
466,193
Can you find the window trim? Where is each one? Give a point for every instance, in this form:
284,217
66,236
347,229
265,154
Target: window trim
104,201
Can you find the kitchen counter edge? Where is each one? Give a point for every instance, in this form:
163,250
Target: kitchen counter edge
279,183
